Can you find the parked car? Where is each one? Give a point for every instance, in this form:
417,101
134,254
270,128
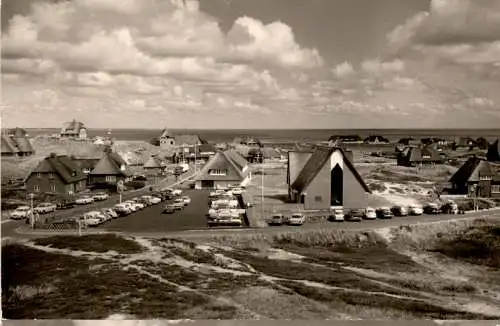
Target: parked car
384,213
66,204
92,219
110,212
296,219
168,209
336,215
186,199
100,196
20,213
177,192
237,191
431,209
122,209
449,207
180,201
155,199
277,219
84,200
134,205
45,208
415,210
399,210
178,205
355,215
370,213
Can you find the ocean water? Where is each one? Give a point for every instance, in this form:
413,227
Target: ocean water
284,135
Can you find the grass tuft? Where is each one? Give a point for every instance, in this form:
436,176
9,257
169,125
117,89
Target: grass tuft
92,243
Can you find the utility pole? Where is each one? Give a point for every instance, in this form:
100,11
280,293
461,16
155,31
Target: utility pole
262,195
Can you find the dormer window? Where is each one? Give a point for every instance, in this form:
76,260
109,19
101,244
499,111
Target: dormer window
122,167
485,178
51,175
38,175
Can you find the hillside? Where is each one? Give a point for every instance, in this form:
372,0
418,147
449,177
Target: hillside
437,271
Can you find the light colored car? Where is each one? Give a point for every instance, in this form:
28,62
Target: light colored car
415,209
277,219
186,199
370,213
224,213
177,192
296,219
135,205
44,208
178,205
20,213
94,218
84,200
237,191
100,196
155,200
110,212
180,201
337,215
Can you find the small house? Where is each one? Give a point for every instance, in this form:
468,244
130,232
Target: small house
73,129
325,178
465,142
479,176
153,166
255,155
110,170
15,143
409,141
223,169
196,153
57,174
493,154
376,139
418,156
167,140
248,141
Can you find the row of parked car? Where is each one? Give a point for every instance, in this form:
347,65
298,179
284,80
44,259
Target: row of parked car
224,207
24,211
357,215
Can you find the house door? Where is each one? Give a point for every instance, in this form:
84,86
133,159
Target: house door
207,184
337,186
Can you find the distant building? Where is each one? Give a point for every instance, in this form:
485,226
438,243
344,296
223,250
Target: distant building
248,141
223,169
15,143
167,141
465,142
409,141
348,139
56,174
418,156
201,152
493,154
323,179
73,129
479,175
110,169
153,166
376,139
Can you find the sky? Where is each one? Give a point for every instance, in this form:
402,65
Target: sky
234,64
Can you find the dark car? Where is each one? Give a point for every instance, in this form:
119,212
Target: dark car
431,209
66,204
399,210
277,219
169,209
355,215
384,213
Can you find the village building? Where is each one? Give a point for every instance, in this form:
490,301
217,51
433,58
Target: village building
85,164
409,141
419,156
493,154
248,141
15,143
464,142
73,129
323,179
223,169
376,139
167,140
477,177
153,166
57,174
110,170
198,153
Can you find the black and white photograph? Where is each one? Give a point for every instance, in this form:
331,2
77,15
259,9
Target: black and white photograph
250,160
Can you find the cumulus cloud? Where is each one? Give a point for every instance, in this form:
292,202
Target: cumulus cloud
343,70
462,31
376,66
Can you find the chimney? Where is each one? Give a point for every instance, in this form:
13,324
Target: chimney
53,155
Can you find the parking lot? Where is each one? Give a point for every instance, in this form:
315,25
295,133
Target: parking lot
151,219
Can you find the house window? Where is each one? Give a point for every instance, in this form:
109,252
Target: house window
110,178
318,199
51,175
38,175
36,188
495,189
218,172
53,187
485,178
426,156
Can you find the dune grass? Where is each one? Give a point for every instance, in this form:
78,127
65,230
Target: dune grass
92,243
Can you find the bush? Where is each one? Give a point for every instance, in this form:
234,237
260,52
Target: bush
155,141
135,184
103,186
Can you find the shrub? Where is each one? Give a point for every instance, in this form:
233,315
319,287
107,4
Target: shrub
135,184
